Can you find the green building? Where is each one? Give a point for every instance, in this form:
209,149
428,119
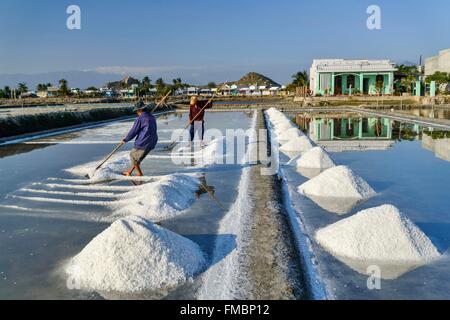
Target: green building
348,77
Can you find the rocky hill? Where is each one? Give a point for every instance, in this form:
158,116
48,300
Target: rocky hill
253,78
125,83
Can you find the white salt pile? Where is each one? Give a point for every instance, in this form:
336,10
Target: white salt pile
278,118
337,182
134,255
165,198
380,236
109,171
289,134
316,158
273,112
283,126
299,144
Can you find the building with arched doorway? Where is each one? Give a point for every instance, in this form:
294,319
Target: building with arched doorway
348,77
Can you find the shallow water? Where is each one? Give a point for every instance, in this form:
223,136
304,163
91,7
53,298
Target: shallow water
39,231
410,175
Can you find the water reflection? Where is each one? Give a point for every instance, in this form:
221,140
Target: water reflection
437,142
389,270
309,172
17,149
350,131
339,206
344,126
434,113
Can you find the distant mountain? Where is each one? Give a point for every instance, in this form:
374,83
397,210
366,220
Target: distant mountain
407,63
253,78
123,84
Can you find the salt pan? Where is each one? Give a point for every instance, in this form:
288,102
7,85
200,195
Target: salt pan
337,182
381,237
133,255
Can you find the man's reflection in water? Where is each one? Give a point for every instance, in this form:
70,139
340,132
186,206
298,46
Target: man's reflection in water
204,187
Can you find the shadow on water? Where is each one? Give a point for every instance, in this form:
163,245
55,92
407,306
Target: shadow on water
439,234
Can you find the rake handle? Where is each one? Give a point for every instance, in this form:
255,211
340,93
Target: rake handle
110,155
162,101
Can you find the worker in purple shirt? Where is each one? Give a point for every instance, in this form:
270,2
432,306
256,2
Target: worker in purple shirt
145,132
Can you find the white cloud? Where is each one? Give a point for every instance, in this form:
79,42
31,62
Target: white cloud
149,70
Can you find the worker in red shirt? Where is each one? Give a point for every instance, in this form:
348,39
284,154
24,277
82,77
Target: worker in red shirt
197,118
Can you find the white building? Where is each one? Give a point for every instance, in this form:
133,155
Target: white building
341,76
441,63
193,91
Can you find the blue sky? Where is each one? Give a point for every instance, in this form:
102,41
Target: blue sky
203,40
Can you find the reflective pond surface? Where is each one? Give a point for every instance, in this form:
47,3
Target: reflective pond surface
409,168
40,230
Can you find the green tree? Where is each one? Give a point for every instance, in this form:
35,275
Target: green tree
43,86
300,79
5,93
22,88
212,85
146,85
177,84
439,77
63,87
410,74
161,87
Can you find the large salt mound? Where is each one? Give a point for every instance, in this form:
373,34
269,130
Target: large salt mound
277,118
337,182
289,134
283,126
165,198
273,112
299,144
134,255
316,158
381,237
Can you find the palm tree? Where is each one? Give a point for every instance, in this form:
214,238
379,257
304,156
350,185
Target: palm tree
301,79
212,85
410,76
63,88
177,83
43,86
7,92
146,84
22,87
160,86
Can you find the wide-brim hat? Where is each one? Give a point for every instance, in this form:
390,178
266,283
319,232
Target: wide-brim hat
140,106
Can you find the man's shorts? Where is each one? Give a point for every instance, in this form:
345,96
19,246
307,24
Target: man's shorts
138,155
